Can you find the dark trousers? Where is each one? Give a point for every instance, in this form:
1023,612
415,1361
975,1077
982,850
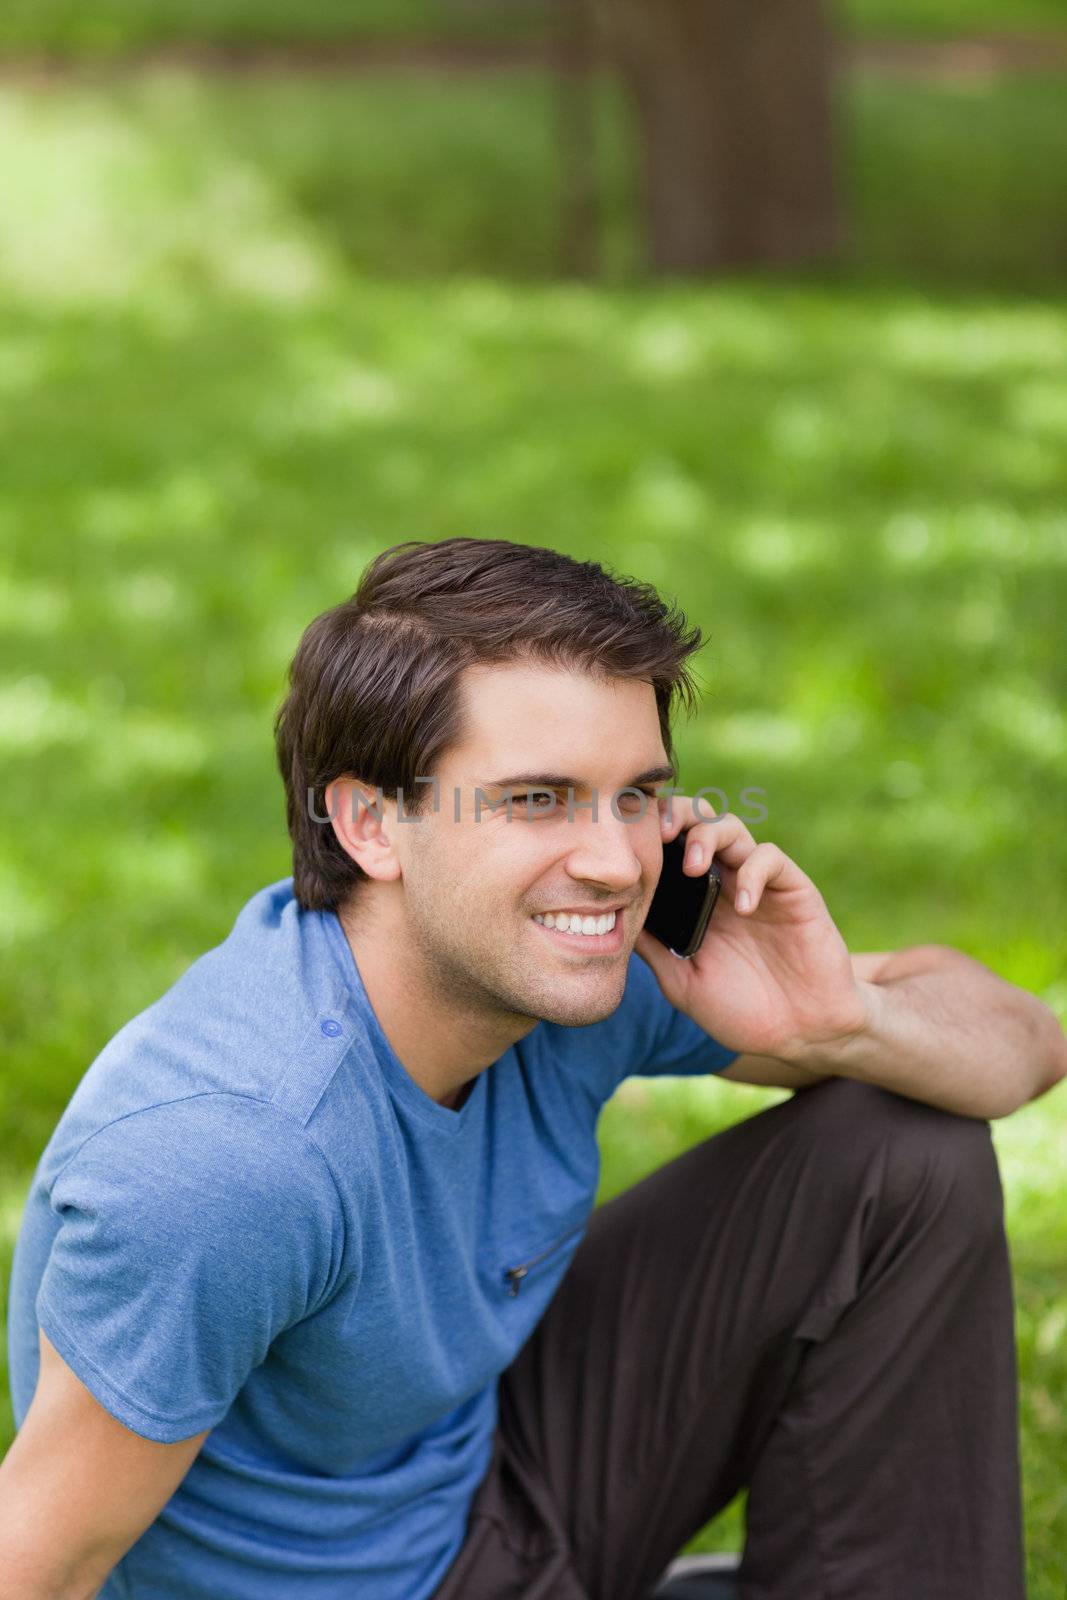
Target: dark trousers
816,1304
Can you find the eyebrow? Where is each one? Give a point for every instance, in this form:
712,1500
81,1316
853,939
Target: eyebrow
554,780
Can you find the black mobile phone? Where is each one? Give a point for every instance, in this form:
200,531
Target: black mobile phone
683,902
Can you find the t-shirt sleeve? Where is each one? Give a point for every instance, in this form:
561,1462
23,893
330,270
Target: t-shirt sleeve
191,1234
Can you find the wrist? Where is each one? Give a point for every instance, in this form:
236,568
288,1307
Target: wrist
844,1039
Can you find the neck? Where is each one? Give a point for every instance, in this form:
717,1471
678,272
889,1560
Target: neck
442,1045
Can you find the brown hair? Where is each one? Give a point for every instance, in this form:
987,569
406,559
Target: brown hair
374,685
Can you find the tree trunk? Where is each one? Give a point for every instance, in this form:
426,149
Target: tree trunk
575,61
733,102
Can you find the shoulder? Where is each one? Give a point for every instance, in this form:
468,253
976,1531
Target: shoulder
253,1017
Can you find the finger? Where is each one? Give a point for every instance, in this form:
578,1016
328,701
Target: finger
680,811
766,867
726,839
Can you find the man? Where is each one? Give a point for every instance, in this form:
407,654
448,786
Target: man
308,1301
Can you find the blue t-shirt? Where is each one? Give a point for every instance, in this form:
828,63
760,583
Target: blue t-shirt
250,1218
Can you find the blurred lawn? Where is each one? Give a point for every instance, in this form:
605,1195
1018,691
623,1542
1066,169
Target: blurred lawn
110,25
244,345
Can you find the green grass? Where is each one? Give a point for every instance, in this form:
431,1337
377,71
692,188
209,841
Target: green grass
248,338
111,25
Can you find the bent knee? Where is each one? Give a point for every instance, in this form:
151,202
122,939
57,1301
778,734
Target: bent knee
929,1156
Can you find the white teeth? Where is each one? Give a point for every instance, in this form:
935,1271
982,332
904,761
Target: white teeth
572,923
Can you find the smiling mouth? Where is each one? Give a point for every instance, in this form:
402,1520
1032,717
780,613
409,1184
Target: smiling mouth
574,922
594,934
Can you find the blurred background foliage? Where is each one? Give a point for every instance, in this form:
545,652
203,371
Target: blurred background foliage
109,25
257,325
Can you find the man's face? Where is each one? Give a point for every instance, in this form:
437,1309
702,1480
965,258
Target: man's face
471,888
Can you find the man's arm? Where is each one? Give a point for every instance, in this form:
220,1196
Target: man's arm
872,966
889,968
943,1028
77,1489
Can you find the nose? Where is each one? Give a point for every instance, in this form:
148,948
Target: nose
604,852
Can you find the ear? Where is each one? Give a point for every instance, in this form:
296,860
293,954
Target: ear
363,824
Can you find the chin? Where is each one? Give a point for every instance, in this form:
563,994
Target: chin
580,1016
578,1010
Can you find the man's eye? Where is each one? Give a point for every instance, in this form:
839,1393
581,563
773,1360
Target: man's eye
546,802
632,799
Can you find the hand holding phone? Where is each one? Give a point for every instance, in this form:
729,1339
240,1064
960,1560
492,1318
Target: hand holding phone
683,902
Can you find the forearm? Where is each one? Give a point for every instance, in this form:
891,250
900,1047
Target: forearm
944,1029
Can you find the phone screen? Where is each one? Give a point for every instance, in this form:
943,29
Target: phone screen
683,902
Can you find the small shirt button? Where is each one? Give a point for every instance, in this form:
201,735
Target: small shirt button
330,1028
